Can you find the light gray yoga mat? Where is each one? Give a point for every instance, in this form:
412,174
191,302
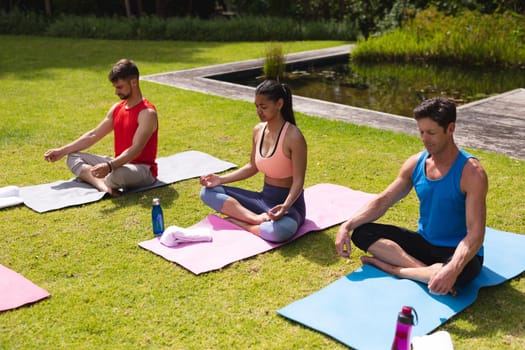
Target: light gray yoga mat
62,194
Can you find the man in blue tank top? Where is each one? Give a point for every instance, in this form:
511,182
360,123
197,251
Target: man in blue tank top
446,251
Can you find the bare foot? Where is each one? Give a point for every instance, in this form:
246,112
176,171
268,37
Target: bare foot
103,188
263,217
434,268
248,227
235,221
388,268
113,193
99,183
420,274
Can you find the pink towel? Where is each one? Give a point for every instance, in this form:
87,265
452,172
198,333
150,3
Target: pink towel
326,205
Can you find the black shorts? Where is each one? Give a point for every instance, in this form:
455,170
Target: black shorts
416,246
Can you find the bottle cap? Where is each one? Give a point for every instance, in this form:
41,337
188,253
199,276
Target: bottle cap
405,316
156,201
407,310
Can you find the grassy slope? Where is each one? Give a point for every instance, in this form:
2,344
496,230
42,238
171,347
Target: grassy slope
109,293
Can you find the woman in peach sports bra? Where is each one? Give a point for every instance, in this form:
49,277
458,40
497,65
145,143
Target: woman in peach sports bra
279,152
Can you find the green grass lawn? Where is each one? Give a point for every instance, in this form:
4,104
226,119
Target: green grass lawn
108,293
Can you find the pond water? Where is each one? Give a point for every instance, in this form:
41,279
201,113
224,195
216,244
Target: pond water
391,88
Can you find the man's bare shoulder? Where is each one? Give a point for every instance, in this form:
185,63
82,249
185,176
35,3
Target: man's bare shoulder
149,112
147,115
109,114
408,166
414,158
474,168
473,175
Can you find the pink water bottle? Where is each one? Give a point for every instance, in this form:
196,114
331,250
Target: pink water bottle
405,321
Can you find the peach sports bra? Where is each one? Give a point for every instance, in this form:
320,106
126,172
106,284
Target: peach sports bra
276,165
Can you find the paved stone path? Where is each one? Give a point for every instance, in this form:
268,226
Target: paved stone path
495,124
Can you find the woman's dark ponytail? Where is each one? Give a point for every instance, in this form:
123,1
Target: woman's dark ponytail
274,91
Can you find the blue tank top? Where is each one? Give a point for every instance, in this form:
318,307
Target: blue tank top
442,219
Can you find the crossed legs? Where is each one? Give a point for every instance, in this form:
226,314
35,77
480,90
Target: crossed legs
243,216
406,254
391,258
248,210
99,183
125,177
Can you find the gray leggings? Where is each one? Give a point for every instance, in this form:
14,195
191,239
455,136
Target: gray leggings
125,177
260,202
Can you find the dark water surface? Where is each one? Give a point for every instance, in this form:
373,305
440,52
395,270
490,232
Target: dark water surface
394,88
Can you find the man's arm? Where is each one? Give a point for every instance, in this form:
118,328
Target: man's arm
474,184
375,209
85,141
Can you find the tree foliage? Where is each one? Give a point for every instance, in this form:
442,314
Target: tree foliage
369,16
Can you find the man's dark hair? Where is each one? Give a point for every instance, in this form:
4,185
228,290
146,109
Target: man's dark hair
439,109
123,69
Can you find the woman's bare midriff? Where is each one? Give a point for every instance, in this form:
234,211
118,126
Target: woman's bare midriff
286,182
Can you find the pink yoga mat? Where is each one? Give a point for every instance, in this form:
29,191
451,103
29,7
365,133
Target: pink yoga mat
16,290
326,205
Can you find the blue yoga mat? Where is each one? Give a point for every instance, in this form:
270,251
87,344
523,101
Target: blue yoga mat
360,309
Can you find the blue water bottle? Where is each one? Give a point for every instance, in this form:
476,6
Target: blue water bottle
157,218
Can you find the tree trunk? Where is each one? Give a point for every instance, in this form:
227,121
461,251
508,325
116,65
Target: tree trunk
47,4
161,8
140,7
128,8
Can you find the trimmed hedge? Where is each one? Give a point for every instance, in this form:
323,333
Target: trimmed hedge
245,28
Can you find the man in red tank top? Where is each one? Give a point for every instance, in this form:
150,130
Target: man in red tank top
134,123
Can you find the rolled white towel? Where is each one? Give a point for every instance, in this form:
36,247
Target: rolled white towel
174,235
9,191
10,196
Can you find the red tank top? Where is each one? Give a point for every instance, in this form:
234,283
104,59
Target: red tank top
125,123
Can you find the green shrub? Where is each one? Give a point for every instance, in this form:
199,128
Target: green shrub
274,63
469,38
150,28
320,30
91,27
20,23
177,29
